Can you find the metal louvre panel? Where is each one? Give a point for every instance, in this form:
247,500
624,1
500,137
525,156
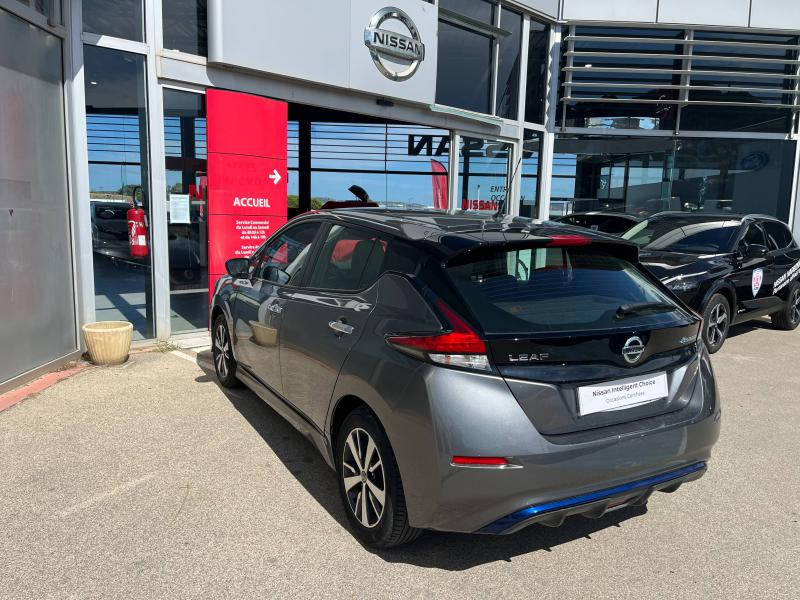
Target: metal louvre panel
617,65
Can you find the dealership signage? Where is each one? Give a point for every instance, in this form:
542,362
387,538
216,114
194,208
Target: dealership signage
247,161
384,49
396,55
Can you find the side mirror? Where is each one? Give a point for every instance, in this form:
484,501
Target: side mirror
238,268
756,251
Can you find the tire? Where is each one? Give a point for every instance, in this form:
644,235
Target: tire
374,525
222,354
716,322
788,318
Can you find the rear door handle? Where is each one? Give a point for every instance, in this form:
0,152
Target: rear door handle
341,328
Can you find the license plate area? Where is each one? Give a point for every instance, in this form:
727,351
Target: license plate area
622,393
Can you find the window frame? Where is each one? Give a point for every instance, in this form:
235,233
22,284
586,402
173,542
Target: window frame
784,229
741,243
316,252
261,252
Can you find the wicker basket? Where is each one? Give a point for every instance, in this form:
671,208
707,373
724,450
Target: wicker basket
108,342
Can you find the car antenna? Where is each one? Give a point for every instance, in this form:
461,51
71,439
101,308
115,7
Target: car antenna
502,204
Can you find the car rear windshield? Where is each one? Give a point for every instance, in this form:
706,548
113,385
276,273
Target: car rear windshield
690,236
570,289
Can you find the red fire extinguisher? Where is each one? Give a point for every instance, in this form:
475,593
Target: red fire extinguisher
137,230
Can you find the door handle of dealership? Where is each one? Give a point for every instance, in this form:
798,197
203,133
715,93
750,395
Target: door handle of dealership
275,309
341,328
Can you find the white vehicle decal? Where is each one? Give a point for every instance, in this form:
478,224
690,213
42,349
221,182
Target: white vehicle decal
787,278
758,279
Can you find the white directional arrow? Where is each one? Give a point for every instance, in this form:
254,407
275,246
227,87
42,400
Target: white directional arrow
275,176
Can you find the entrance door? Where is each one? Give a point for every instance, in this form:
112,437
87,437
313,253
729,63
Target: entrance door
186,209
324,320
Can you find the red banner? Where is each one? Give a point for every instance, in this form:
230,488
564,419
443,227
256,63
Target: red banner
439,177
247,160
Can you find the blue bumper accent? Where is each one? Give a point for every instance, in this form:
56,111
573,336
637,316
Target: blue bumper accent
529,512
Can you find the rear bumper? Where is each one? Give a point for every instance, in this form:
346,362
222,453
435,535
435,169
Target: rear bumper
550,477
595,504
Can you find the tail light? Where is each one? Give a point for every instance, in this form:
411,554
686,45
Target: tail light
479,461
460,347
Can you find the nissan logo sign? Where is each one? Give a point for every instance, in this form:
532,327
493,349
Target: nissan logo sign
396,55
633,349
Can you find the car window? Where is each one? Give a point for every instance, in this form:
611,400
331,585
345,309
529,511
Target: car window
285,256
778,235
350,259
754,236
557,289
691,236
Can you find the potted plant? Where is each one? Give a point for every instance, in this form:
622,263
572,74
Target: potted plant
108,342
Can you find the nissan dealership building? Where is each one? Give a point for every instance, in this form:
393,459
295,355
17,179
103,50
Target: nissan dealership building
142,142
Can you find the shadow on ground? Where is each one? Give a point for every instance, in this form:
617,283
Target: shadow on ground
448,551
749,326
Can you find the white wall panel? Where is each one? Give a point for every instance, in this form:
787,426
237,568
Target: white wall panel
616,10
705,12
780,14
547,7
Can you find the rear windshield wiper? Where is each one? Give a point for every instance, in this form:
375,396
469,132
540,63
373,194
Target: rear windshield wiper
643,308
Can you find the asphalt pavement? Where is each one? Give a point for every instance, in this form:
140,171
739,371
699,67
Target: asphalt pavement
148,481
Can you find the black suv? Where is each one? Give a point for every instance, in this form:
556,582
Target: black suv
729,268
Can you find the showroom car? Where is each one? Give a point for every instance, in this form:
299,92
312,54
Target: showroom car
469,373
607,222
730,269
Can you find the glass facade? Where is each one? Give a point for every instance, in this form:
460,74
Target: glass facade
644,176
397,165
676,79
483,174
479,57
185,26
116,18
633,130
464,72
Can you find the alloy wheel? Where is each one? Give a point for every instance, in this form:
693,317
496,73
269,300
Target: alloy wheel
717,325
222,351
794,304
364,480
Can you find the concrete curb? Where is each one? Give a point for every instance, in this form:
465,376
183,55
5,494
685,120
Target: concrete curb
37,386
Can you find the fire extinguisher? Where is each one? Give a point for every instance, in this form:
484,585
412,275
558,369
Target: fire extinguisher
137,229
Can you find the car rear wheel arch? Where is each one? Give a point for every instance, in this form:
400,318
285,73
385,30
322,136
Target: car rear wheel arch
343,407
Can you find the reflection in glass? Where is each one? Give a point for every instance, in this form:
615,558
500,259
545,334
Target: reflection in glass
480,10
536,86
509,65
401,166
116,122
483,174
185,26
644,176
529,195
187,208
464,69
117,18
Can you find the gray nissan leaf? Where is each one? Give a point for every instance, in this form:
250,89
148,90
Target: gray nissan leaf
469,373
